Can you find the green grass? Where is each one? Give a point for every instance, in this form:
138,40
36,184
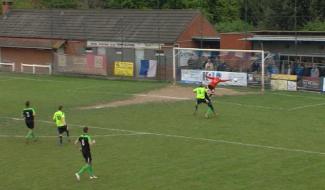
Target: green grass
273,141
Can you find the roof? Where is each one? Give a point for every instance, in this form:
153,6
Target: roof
148,26
31,43
283,38
206,38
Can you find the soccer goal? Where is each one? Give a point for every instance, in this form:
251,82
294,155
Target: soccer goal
36,69
241,67
7,67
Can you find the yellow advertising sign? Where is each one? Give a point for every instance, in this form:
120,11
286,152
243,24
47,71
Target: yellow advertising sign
284,77
123,68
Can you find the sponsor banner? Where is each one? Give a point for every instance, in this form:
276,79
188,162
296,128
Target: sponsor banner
123,68
107,44
279,85
191,76
197,76
292,86
310,83
284,77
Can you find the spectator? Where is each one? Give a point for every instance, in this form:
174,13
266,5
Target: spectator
255,67
222,67
299,70
209,65
314,72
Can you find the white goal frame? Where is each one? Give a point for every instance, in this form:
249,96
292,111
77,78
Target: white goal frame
34,67
220,50
9,64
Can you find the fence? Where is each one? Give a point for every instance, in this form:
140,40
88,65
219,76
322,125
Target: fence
5,66
34,68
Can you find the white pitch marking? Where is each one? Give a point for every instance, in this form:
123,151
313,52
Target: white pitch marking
306,106
39,80
5,80
298,96
254,106
49,136
166,97
208,140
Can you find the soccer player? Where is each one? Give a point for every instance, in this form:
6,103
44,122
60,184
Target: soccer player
213,83
29,115
202,97
85,142
59,119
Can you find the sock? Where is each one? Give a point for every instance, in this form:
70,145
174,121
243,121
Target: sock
82,170
68,134
32,134
208,111
60,139
90,170
29,134
211,107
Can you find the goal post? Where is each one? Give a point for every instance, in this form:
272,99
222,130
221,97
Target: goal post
36,69
190,65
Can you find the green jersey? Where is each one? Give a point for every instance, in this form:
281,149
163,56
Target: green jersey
59,118
200,92
29,114
85,142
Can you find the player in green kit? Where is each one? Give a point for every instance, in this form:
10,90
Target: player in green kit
59,119
85,143
202,97
29,115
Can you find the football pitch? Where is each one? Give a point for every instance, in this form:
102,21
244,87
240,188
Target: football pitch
274,141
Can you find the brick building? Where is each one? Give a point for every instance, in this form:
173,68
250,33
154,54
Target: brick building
38,36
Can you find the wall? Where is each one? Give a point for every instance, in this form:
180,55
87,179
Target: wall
234,41
199,26
73,47
26,56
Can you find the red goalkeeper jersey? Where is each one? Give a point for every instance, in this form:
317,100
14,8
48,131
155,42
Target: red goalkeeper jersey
215,81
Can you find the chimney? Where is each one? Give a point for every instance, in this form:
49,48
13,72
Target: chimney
6,4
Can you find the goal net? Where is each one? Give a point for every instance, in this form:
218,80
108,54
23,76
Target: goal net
241,67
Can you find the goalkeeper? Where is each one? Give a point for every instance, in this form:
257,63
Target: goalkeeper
202,97
213,83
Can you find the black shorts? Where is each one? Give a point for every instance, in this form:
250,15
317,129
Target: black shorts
30,124
62,129
211,87
87,156
200,101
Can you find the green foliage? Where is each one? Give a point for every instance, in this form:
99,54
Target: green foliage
59,3
233,26
314,26
261,14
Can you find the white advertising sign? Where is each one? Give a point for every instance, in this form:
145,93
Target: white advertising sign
122,45
197,76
